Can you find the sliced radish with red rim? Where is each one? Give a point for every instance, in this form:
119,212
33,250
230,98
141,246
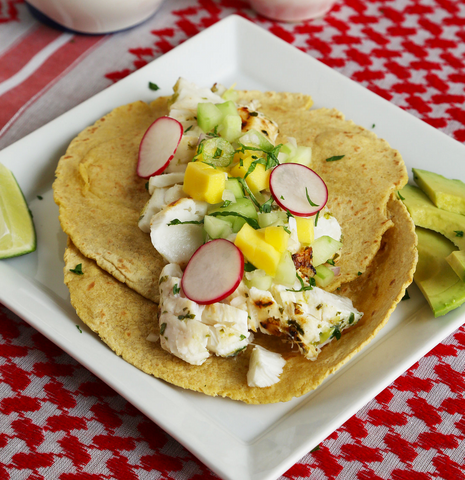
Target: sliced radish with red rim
158,146
298,189
213,272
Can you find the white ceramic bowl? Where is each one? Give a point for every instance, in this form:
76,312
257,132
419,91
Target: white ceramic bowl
93,16
292,10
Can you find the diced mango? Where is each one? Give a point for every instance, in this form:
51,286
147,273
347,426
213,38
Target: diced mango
257,251
203,182
259,179
305,230
277,237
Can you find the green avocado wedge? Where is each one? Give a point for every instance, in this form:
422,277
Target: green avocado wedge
440,285
425,214
17,232
457,261
445,193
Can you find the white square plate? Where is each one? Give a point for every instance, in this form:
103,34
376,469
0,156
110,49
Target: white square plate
237,441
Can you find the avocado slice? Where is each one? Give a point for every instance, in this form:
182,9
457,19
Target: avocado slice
457,261
444,193
440,285
425,214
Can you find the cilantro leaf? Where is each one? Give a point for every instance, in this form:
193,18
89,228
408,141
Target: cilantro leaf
77,269
336,157
153,86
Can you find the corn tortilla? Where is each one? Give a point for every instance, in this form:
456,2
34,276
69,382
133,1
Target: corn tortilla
100,198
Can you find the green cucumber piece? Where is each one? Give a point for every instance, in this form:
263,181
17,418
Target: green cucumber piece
230,127
227,108
235,186
285,272
324,276
273,218
216,227
258,279
324,248
208,116
253,138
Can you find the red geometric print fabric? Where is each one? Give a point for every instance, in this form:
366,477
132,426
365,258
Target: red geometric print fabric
57,420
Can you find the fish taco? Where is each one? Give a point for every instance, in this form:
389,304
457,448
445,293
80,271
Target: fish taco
236,243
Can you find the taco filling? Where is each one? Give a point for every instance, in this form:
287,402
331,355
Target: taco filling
228,179
254,236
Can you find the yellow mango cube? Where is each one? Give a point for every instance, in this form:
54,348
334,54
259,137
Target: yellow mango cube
257,251
277,237
204,182
305,230
259,179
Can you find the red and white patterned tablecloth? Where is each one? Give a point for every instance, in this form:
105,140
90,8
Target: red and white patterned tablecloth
57,420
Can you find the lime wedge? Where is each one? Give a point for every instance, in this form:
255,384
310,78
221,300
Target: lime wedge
17,233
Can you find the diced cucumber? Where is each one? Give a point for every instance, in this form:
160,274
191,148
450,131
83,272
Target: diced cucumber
272,219
216,227
324,276
235,186
303,155
253,138
258,279
217,151
243,206
208,116
227,108
285,273
324,248
230,127
238,224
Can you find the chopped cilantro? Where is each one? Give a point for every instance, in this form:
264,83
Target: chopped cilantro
248,267
458,233
359,273
77,269
293,323
176,289
79,328
253,114
351,318
189,128
286,229
153,86
251,221
400,196
315,449
303,287
336,157
187,315
163,279
176,221
330,261
40,197
308,199
147,186
316,218
282,198
266,207
336,333
373,126
162,328
243,337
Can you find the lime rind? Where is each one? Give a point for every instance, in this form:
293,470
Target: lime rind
17,232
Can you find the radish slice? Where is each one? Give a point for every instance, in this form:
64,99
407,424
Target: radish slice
158,146
213,272
298,189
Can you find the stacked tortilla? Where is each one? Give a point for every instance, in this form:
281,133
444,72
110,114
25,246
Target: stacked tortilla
100,198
